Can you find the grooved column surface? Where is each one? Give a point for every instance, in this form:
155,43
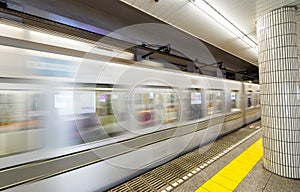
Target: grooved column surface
279,80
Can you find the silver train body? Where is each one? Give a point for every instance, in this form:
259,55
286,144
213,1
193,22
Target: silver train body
77,121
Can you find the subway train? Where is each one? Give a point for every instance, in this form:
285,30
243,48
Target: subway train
83,116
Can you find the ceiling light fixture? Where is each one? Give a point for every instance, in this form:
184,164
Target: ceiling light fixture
218,17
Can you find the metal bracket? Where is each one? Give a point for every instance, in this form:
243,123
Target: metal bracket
163,49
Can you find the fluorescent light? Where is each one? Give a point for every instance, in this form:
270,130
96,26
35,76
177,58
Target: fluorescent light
218,17
249,41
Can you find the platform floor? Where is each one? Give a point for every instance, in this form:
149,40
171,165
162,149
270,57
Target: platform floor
257,179
217,163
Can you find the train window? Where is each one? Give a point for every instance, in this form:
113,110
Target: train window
219,101
170,107
77,102
257,98
89,114
103,103
249,99
21,115
155,106
194,100
214,101
145,104
63,102
235,100
110,107
209,102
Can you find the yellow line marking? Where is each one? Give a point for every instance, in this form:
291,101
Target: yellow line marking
232,174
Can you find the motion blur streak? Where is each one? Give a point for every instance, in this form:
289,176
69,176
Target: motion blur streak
61,130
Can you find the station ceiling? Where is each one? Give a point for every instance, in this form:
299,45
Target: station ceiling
111,15
184,15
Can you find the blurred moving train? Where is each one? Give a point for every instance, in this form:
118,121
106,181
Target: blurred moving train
78,117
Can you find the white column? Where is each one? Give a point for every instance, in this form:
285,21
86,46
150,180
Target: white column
279,80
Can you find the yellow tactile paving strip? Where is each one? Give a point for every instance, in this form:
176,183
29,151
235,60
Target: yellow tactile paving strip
232,174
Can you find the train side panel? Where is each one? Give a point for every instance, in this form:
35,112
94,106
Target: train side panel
252,101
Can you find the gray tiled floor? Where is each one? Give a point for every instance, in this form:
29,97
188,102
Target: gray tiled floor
261,180
197,180
258,179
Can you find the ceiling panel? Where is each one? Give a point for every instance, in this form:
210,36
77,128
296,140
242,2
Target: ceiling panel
179,14
190,10
245,20
147,5
139,3
185,16
153,6
175,5
242,13
168,7
198,27
157,7
226,40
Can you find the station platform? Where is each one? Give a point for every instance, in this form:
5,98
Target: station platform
232,163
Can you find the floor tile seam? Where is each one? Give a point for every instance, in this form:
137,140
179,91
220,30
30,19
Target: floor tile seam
267,182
